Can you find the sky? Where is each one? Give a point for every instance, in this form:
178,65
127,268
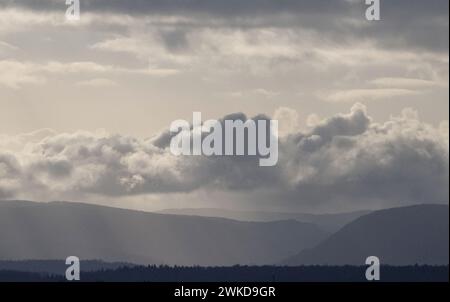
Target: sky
362,105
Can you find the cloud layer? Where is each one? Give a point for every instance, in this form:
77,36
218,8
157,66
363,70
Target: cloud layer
127,59
415,19
347,158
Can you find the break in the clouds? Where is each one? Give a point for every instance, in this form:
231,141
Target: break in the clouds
347,160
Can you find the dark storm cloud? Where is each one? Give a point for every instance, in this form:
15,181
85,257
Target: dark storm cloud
405,23
175,7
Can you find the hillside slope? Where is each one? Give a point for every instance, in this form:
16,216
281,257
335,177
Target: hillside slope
399,236
56,230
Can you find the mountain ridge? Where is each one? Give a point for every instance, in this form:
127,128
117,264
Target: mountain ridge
415,234
31,230
330,222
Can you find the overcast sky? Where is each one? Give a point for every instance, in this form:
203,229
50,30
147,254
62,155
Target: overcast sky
363,106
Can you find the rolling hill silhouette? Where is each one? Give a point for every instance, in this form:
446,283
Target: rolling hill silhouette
399,236
30,230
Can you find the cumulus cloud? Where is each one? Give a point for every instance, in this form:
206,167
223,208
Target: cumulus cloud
346,159
288,120
349,157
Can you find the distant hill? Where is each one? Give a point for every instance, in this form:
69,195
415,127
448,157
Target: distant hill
399,236
328,222
30,230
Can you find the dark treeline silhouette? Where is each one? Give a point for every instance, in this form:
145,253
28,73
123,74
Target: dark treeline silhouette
416,273
57,267
18,276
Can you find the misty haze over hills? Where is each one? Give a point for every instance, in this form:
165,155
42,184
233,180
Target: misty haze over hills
56,230
328,222
399,236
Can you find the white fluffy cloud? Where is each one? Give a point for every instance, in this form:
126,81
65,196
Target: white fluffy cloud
346,158
351,158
